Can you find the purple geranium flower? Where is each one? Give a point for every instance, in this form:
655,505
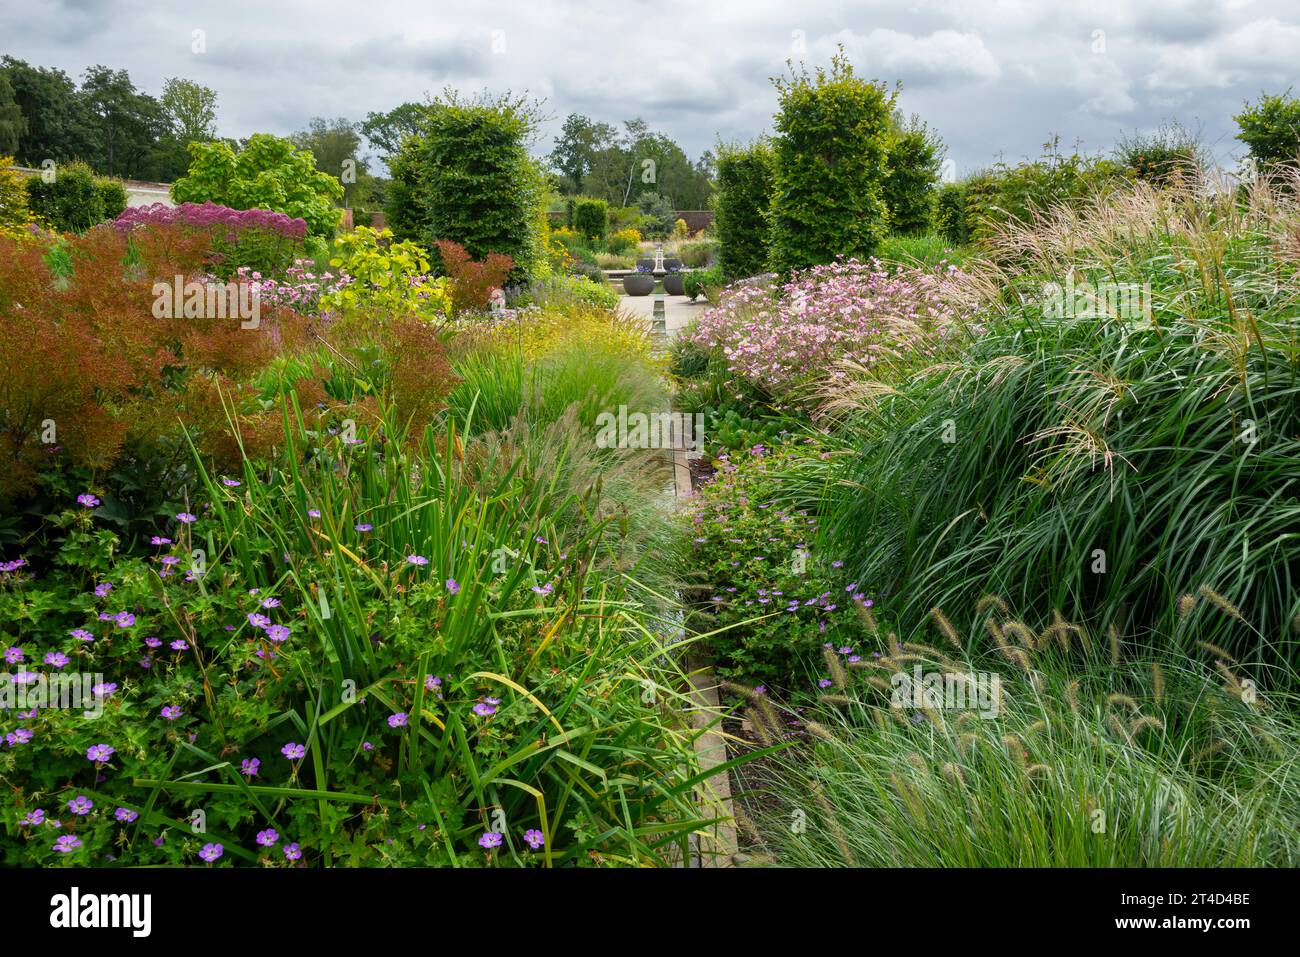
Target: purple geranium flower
88,500
292,852
397,720
80,805
533,838
293,751
453,586
125,815
489,840
99,753
211,852
268,837
188,519
171,712
67,843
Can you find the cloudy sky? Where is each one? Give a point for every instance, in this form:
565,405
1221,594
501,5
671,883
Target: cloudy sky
995,77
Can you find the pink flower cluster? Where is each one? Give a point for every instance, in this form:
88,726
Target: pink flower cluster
785,338
212,216
301,288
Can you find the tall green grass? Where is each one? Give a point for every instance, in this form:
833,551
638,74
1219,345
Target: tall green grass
1091,761
1102,465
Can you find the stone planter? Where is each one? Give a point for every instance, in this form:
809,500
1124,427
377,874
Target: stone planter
639,284
671,263
644,263
673,284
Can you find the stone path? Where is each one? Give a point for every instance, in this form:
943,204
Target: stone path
678,310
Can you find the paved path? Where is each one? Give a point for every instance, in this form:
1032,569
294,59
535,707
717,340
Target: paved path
678,310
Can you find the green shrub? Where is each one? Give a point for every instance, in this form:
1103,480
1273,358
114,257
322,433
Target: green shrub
269,172
741,203
112,196
697,282
591,218
1162,157
830,167
1270,127
466,176
915,155
72,201
1019,193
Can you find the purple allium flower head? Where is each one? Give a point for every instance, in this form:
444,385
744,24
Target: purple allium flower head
533,838
293,751
88,500
489,840
99,753
268,837
80,805
210,852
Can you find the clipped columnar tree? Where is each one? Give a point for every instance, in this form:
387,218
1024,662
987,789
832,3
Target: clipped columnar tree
914,158
591,218
830,154
268,173
741,202
466,176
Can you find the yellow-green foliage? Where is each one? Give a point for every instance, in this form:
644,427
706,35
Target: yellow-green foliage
15,215
391,278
